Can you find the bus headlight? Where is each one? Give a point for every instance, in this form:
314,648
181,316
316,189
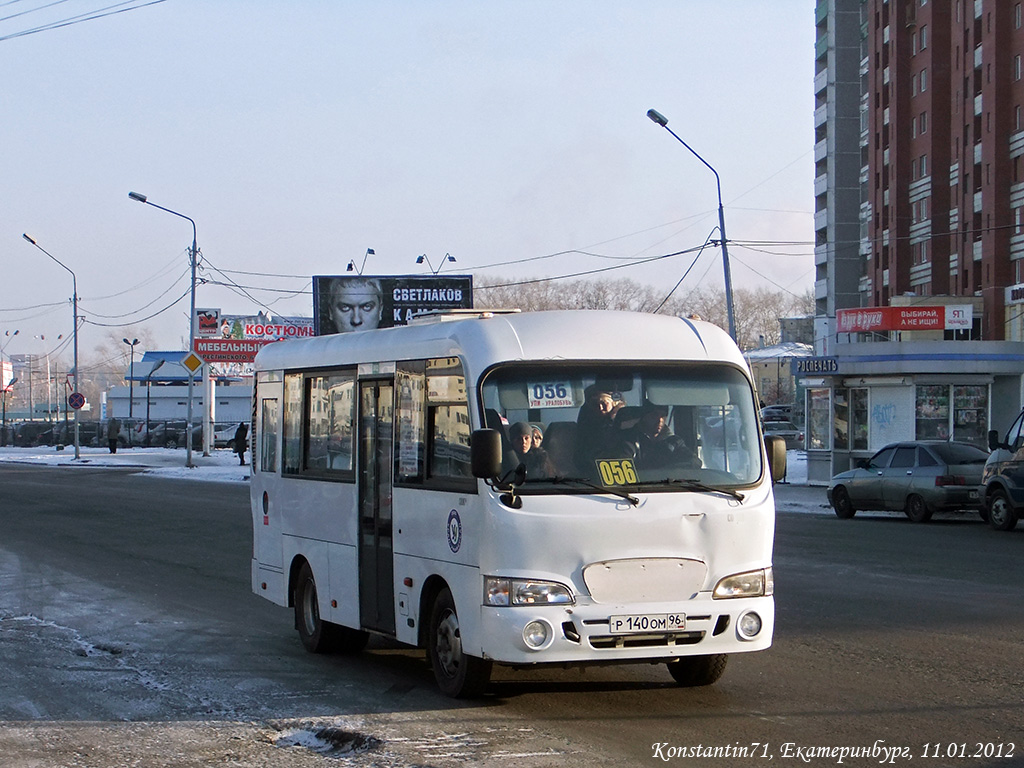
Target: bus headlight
750,584
501,591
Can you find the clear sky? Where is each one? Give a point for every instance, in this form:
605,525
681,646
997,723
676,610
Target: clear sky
298,134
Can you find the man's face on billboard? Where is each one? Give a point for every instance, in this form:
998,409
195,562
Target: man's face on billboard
355,306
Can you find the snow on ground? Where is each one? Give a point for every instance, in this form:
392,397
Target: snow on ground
220,466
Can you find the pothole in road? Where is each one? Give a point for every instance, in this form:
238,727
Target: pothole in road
329,741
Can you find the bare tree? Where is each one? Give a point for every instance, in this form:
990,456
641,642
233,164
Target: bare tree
757,311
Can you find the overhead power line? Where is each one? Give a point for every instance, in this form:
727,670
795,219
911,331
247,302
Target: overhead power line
98,13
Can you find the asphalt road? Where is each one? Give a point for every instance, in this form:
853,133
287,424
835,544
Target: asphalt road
129,636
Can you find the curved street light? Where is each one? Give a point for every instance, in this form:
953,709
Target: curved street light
661,120
74,304
191,320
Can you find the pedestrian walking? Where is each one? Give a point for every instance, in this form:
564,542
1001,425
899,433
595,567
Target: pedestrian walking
113,433
241,442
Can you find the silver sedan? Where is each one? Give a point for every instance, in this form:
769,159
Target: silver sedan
918,478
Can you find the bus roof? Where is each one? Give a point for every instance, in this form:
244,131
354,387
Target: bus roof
488,337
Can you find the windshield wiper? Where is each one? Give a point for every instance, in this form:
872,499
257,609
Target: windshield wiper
698,486
599,488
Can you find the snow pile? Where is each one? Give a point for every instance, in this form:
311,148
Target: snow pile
220,466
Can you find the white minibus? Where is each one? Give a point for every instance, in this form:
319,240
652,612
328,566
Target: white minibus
568,487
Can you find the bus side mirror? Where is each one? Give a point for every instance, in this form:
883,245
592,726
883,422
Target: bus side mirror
993,440
485,453
776,448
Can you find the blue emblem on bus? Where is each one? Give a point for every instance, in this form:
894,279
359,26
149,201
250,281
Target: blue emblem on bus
454,531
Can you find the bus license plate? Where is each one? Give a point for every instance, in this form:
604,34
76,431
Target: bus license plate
647,622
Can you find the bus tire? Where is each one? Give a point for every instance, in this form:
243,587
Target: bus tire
693,671
458,675
1001,514
317,635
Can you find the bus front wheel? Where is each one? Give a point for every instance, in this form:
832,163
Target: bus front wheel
692,671
458,675
317,635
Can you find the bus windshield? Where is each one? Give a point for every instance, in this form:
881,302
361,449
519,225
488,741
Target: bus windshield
643,426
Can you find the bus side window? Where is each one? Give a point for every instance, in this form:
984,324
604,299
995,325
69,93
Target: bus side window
268,439
448,426
292,443
449,441
410,455
330,418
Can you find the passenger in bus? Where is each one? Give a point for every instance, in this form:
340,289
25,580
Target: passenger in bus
534,459
651,444
560,446
537,432
354,304
596,430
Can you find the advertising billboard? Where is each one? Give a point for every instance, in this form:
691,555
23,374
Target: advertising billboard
916,318
344,303
235,339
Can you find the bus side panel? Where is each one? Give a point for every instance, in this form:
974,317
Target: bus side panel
344,586
321,522
437,533
268,578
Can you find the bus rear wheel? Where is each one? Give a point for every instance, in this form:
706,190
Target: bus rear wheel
693,671
317,635
458,675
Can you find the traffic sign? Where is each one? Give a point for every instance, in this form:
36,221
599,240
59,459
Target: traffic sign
193,362
76,400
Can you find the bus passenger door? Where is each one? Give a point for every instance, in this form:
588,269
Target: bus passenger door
376,462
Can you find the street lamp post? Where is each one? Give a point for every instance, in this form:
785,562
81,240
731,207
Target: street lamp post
5,386
74,304
131,388
193,256
661,120
149,389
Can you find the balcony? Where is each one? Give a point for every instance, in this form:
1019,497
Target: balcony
821,150
821,81
977,105
821,184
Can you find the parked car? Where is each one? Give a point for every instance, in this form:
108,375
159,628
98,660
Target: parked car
224,436
784,412
787,431
919,478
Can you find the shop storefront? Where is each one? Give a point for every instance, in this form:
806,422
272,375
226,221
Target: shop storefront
874,394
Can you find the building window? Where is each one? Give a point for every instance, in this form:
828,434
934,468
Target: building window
970,414
924,166
924,37
1016,16
924,80
1016,67
819,432
924,122
932,413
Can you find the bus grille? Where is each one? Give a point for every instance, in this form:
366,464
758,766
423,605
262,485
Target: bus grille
604,642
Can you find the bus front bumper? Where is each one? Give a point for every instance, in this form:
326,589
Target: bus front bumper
563,634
